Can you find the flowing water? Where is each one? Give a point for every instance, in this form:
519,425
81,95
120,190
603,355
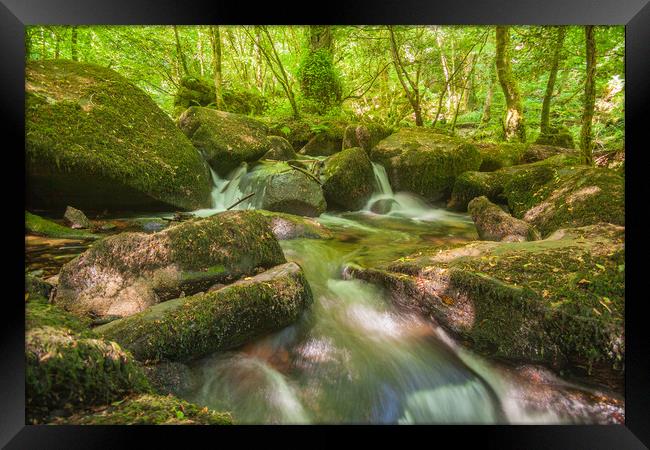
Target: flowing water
353,357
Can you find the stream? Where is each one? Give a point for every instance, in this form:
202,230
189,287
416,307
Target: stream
355,358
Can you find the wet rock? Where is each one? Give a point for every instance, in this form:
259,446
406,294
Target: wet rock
76,219
225,139
494,224
108,227
288,226
292,191
96,141
348,179
195,326
125,273
170,377
323,144
424,162
383,205
36,286
365,136
281,149
148,409
520,300
43,227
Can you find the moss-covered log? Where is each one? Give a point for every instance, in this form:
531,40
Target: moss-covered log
96,141
192,327
126,273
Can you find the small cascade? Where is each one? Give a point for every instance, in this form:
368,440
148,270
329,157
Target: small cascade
226,191
382,185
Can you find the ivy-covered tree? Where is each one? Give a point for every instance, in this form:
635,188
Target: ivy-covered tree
319,83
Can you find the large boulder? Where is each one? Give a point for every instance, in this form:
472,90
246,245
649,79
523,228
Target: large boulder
68,366
148,409
558,302
96,141
348,179
222,319
494,224
497,156
280,149
365,136
425,162
576,197
323,144
225,139
285,187
124,274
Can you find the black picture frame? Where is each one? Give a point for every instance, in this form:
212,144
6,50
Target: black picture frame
634,14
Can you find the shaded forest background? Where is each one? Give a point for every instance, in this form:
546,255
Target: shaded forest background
555,85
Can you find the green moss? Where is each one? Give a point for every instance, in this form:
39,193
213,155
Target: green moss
198,91
472,184
319,83
95,138
149,409
225,139
191,327
498,156
38,225
348,179
40,313
64,371
425,162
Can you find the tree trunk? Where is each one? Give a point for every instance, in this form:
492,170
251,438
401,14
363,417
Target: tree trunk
215,39
179,52
320,37
199,49
73,45
514,121
550,85
586,140
412,93
487,105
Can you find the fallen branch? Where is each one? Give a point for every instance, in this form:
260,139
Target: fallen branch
240,200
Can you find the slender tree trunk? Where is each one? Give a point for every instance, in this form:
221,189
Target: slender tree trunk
412,92
586,139
215,39
57,46
550,85
42,43
28,43
487,104
179,52
199,49
514,121
73,45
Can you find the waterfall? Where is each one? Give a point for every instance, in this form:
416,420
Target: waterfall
225,191
382,185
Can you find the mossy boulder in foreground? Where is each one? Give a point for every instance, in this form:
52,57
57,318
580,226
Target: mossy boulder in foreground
225,139
126,273
558,301
348,179
494,224
288,226
148,409
424,162
96,141
68,367
192,327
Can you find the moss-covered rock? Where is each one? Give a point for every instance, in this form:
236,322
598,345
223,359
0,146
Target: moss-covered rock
39,312
35,286
558,301
169,377
126,273
536,152
96,141
498,156
286,187
43,227
348,179
325,143
76,218
365,136
148,409
557,136
192,327
472,184
425,162
288,226
64,371
280,149
494,224
199,91
578,196
225,139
